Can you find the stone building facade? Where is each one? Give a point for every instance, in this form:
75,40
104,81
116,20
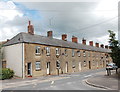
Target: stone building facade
31,55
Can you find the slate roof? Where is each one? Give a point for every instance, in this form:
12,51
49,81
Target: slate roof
43,40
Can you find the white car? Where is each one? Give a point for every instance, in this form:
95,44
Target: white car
111,66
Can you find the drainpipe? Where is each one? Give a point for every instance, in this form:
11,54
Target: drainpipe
23,66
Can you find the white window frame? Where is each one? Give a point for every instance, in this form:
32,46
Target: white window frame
57,51
47,51
107,56
85,63
57,62
73,53
37,50
65,51
84,53
79,53
37,65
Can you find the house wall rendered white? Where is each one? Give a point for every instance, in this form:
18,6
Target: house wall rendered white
13,55
1,50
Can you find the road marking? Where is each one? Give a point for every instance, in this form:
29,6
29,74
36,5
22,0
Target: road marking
52,82
87,76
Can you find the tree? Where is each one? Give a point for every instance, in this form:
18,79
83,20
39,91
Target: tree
115,48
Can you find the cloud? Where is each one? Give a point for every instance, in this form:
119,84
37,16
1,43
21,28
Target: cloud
81,19
8,12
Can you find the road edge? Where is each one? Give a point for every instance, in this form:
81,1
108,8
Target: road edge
98,86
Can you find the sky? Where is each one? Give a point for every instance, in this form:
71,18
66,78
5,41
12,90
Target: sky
84,19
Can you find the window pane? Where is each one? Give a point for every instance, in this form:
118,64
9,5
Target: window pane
78,53
84,54
37,65
65,51
47,50
57,51
58,64
37,49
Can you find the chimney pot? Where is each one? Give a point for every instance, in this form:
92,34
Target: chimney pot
30,28
102,46
74,39
83,41
91,43
97,45
110,47
8,40
50,34
64,37
106,46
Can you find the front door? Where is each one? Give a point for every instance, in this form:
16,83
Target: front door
29,66
89,65
79,66
66,67
48,67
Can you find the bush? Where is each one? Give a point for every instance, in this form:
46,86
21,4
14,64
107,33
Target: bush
6,73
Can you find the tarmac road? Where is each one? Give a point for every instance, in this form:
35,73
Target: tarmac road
74,81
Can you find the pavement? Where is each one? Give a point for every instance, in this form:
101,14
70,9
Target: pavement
8,83
102,80
17,79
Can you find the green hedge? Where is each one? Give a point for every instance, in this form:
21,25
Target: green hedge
6,73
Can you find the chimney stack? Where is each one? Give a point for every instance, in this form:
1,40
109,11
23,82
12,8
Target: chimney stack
97,45
102,46
106,46
74,39
8,40
50,34
110,47
64,37
83,41
30,28
91,43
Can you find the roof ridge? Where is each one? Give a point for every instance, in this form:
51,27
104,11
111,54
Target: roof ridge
61,40
39,39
